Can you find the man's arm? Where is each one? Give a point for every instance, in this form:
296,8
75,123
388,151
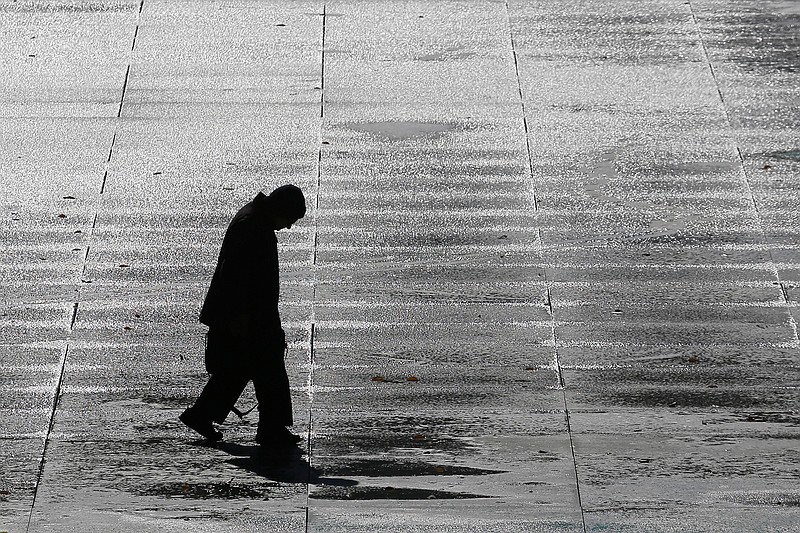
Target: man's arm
238,278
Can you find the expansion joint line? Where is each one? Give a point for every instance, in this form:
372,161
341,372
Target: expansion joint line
708,59
563,389
50,425
522,103
76,304
549,302
745,177
312,331
133,47
574,459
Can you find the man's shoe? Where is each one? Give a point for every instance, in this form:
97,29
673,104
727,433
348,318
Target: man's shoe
277,437
200,425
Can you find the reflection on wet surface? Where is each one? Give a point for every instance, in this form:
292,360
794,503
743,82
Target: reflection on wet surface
390,442
400,130
793,155
451,53
759,40
692,398
690,386
674,459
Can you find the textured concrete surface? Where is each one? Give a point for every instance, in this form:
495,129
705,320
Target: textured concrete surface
548,280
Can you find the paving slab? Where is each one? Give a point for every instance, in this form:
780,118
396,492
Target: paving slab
719,466
64,60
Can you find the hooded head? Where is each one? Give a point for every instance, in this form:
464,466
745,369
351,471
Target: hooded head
288,204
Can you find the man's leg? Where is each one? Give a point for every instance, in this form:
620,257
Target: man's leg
226,383
274,404
220,395
215,402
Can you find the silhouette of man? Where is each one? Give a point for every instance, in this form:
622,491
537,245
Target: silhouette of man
245,339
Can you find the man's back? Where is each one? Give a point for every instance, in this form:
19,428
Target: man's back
245,284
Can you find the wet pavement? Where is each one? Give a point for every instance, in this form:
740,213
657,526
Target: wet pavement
548,280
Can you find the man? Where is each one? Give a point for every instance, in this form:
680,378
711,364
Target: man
245,339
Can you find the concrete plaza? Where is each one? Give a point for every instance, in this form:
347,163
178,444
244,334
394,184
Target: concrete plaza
548,280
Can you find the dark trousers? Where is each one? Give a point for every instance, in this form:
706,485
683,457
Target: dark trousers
233,363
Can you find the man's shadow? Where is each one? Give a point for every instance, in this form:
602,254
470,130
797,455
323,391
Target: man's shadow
284,464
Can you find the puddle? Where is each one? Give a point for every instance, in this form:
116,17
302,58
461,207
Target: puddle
600,174
393,435
455,52
698,398
389,468
664,228
696,168
390,440
762,41
401,129
793,155
165,401
202,491
388,493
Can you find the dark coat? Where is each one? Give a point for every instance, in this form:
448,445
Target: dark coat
245,287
